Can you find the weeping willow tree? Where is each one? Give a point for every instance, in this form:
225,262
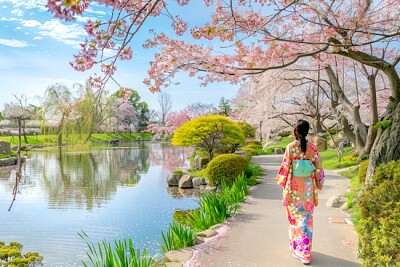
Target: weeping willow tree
19,114
73,113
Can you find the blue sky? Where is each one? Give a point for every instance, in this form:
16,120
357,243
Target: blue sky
35,50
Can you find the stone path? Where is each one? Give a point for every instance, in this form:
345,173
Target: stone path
257,236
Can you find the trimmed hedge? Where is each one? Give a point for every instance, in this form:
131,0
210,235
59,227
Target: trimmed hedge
379,226
225,167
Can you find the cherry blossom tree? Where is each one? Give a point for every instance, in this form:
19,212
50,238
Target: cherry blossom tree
258,35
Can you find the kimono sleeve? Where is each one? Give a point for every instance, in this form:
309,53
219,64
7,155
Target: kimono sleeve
319,174
284,170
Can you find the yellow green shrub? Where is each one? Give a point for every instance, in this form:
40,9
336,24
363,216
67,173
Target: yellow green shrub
225,167
379,226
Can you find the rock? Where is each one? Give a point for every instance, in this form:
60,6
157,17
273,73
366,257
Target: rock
8,161
172,264
173,179
269,144
199,240
354,168
185,181
279,150
5,148
210,188
207,233
216,226
320,142
182,255
198,181
335,201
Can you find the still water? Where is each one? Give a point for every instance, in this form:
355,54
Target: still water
110,193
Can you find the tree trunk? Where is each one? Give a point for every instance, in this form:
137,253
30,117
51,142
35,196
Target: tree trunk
60,131
360,131
374,114
24,133
386,146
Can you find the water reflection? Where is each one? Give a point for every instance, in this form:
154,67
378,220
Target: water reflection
113,192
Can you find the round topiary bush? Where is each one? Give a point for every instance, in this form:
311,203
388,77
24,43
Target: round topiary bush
379,226
225,167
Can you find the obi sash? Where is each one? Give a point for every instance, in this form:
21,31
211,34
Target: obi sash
302,168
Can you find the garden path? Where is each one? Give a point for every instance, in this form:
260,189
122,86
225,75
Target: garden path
257,236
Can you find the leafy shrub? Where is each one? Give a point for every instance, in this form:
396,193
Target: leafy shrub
248,130
225,167
253,143
123,254
10,255
285,133
362,171
253,170
235,193
213,209
379,226
347,161
178,236
382,124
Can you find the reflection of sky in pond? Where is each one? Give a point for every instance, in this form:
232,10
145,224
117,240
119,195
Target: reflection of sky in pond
125,196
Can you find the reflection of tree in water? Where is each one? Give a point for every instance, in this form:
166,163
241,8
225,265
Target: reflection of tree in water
170,157
90,178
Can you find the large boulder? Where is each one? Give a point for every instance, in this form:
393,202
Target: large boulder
320,142
5,148
198,181
279,150
173,179
185,181
270,143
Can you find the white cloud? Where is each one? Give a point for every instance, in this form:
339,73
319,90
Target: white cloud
27,4
4,6
30,23
37,38
18,28
68,34
17,12
13,43
7,19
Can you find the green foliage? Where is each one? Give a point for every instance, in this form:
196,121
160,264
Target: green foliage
362,171
347,161
11,255
382,124
213,209
178,236
235,194
248,130
253,170
330,158
122,254
213,133
256,143
225,167
379,226
177,172
285,133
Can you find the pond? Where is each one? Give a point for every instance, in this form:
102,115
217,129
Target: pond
109,193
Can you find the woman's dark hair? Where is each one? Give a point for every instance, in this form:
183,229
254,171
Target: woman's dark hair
300,132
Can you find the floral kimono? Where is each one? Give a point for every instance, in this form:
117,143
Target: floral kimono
300,197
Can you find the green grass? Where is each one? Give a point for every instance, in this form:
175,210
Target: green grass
178,236
355,188
330,158
281,144
52,139
122,253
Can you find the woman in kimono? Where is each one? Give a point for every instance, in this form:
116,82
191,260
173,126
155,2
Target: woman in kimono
300,175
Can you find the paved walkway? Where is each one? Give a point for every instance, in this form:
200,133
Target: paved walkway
257,236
